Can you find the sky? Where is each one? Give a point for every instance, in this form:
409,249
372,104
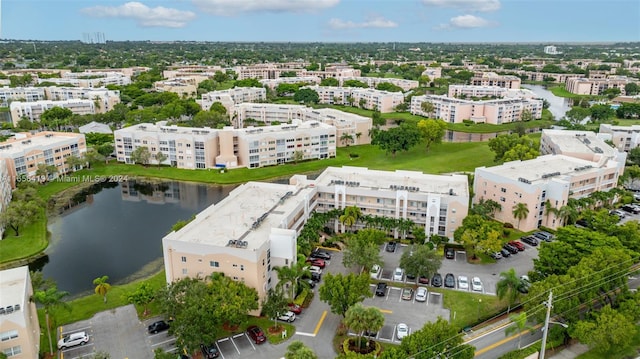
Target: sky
549,21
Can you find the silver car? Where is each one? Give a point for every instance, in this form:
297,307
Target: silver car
421,294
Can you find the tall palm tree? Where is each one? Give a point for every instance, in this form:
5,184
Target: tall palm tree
508,286
102,286
346,138
520,324
568,214
49,299
290,275
520,212
548,209
350,100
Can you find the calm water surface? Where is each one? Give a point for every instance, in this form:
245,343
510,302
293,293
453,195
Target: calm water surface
118,231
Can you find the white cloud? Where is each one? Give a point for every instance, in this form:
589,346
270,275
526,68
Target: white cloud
467,5
373,22
466,22
143,15
233,7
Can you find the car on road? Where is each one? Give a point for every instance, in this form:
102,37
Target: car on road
449,253
209,351
73,339
381,289
496,255
256,334
316,262
158,326
402,331
289,316
320,254
374,272
510,248
407,294
423,280
505,253
542,235
449,280
463,282
398,273
436,281
421,294
530,240
391,246
294,308
476,284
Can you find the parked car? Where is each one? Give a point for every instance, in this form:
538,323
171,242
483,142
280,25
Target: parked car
295,308
449,280
518,245
421,294
530,240
158,326
436,281
289,316
256,334
410,276
505,253
542,235
496,255
583,223
367,333
510,248
316,262
73,339
381,289
423,280
209,351
476,284
449,253
631,208
407,294
617,212
398,273
310,282
314,269
391,247
320,254
463,282
374,272
524,285
402,331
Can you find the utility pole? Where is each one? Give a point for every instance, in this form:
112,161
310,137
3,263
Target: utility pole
545,329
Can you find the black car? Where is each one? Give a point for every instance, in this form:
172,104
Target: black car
449,280
314,276
320,254
310,282
510,248
530,240
436,281
411,276
391,247
381,289
505,253
449,253
158,326
543,236
209,352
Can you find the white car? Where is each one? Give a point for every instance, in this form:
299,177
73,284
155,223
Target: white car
288,317
463,282
476,284
73,339
398,274
402,331
315,269
421,294
375,271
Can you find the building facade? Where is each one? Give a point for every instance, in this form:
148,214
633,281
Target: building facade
596,86
231,97
493,79
5,191
19,326
371,99
273,83
90,79
625,138
404,84
181,86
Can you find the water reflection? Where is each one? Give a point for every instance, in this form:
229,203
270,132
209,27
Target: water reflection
558,106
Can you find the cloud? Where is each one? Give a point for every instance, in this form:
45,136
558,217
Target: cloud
233,7
370,23
466,22
143,15
467,5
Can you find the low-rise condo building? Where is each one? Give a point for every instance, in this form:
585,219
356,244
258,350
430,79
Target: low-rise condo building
90,79
596,86
24,94
371,99
182,86
19,326
273,83
404,84
231,97
493,79
625,138
5,191
33,110
466,91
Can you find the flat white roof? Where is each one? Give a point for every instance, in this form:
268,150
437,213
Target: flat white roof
13,286
43,140
580,142
542,168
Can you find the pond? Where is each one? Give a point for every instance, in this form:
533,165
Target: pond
116,229
558,106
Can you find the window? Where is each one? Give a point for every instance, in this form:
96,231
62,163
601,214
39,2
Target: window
503,190
241,267
185,271
214,264
12,334
184,259
502,199
13,351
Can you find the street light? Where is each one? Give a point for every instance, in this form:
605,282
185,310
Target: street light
547,321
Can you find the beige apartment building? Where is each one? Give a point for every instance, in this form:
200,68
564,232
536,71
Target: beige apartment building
25,94
596,86
493,79
552,178
371,99
33,110
229,98
404,84
255,228
19,326
201,73
433,73
495,112
24,152
273,83
625,138
465,91
90,79
5,191
201,148
182,86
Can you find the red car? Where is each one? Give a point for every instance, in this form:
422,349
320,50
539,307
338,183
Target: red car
256,334
316,262
295,308
518,245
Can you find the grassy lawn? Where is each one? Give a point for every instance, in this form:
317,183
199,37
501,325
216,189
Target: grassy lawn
630,351
32,240
560,91
469,308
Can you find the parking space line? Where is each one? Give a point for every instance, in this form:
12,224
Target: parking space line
324,315
74,330
234,344
164,342
250,342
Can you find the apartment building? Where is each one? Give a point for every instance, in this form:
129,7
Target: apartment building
90,79
182,86
404,84
5,191
201,73
200,148
356,126
103,98
433,73
493,79
596,86
33,110
264,71
542,76
25,94
229,98
24,152
273,83
495,112
371,99
19,326
337,71
552,178
465,91
625,138
255,228
551,50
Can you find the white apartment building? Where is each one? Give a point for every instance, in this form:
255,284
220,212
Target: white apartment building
33,110
5,191
273,83
495,112
493,79
255,228
24,94
404,84
625,138
551,50
464,91
90,79
102,96
182,86
596,86
201,148
371,99
552,178
433,73
229,98
197,71
19,326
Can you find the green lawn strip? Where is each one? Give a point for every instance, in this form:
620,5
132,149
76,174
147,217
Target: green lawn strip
629,351
560,91
468,308
32,241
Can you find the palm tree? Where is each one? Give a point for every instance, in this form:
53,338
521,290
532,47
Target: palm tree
346,138
508,286
358,134
350,100
548,209
102,287
520,324
290,275
568,214
520,212
49,299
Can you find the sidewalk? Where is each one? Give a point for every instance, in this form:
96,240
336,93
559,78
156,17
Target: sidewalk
475,333
571,351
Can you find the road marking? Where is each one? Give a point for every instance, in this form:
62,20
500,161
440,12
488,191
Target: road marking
385,311
234,344
164,342
306,334
74,330
480,335
324,315
497,344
